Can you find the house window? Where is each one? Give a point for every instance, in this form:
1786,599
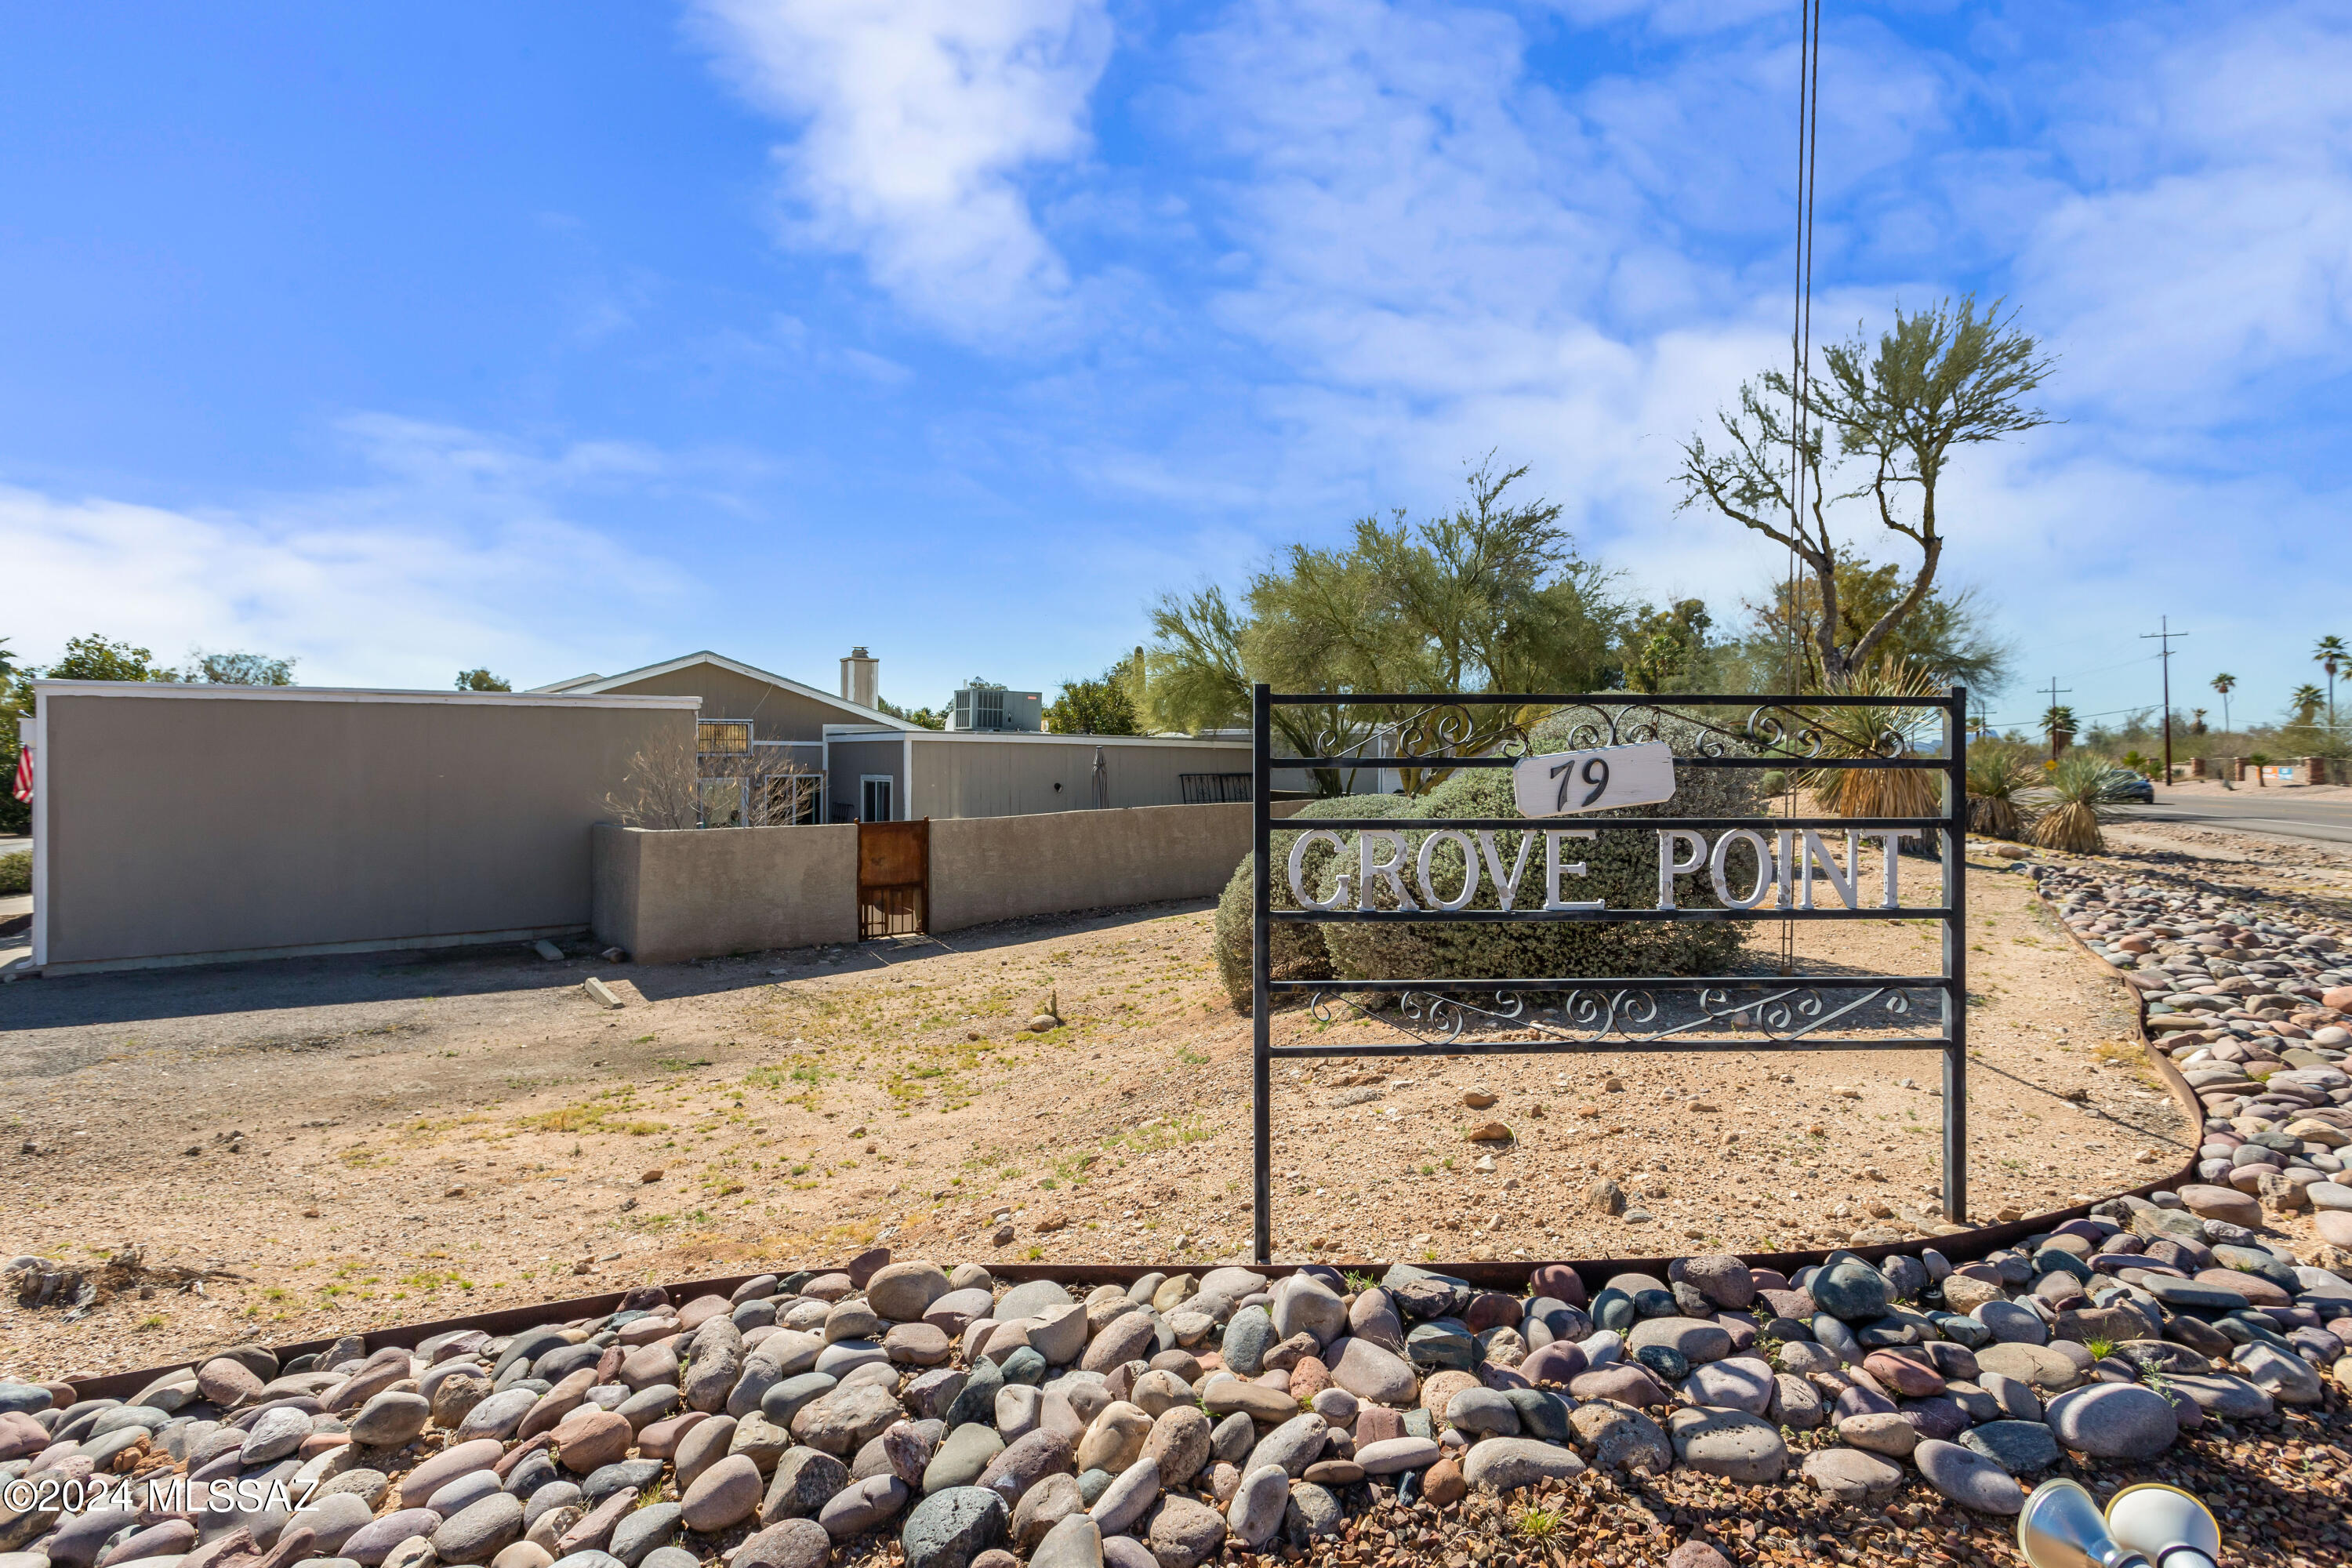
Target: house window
873,798
722,737
723,800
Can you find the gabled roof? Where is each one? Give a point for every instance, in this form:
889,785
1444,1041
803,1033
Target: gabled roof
586,684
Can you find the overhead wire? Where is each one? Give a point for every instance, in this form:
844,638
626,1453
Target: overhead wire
1801,349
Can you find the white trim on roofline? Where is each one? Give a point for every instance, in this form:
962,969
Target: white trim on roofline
40,826
874,718
1031,737
341,694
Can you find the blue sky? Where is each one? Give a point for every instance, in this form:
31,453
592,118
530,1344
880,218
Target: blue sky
563,338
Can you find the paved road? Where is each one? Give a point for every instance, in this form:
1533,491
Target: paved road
2277,813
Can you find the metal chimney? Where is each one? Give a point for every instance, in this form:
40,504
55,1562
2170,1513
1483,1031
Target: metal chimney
861,678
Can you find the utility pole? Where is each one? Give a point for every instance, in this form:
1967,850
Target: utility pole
2052,714
2163,639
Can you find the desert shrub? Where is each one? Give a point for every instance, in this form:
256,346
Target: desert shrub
1299,950
1855,731
2080,794
1622,868
1999,775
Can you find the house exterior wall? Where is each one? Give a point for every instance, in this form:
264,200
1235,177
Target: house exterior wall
669,896
776,714
996,776
851,761
184,825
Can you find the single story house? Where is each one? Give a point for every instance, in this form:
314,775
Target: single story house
774,751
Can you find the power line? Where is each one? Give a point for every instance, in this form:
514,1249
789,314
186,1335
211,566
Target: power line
2143,658
1800,352
2165,633
2106,713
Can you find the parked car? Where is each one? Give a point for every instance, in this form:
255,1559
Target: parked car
2122,784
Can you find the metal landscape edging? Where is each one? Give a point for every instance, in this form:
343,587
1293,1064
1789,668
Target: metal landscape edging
1960,1247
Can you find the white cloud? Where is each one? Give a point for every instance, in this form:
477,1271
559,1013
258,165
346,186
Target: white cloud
918,122
1444,252
454,554
2211,248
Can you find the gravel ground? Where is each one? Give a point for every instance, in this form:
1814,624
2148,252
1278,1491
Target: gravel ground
336,1143
2278,1482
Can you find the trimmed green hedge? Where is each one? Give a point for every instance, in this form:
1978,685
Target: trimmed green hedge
1299,950
1621,870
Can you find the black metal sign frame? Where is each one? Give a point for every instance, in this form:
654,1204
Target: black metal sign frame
1617,1013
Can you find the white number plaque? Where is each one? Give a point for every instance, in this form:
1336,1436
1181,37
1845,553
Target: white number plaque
1566,783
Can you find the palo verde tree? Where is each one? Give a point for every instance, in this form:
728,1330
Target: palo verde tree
1898,411
1490,598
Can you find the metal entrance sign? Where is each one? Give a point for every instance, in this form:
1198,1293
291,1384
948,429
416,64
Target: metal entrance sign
1805,868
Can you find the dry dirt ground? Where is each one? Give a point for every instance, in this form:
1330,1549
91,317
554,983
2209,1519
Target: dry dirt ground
344,1142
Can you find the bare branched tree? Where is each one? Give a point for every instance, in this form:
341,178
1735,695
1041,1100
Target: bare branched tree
1941,379
671,784
662,787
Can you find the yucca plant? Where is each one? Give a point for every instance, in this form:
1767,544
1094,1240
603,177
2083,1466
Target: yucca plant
1998,778
1859,732
2079,793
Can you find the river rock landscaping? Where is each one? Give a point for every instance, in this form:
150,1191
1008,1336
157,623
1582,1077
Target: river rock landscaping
2255,1006
941,1417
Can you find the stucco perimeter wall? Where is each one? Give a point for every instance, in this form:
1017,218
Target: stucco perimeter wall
671,895
987,869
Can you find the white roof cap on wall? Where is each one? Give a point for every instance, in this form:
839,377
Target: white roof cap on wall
223,692
1032,737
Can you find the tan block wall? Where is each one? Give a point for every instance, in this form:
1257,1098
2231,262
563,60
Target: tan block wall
1001,868
671,895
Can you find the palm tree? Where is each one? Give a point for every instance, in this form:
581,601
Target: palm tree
2223,684
2306,702
2058,723
2332,656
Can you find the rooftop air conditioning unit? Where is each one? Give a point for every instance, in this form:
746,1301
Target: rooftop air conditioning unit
994,708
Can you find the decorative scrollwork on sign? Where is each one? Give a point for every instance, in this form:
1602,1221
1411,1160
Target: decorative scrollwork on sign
1770,728
1435,733
1635,1014
1442,733
1629,724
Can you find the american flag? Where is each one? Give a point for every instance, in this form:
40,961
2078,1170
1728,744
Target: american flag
25,774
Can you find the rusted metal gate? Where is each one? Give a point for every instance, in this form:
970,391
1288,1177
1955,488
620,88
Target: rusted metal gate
894,879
